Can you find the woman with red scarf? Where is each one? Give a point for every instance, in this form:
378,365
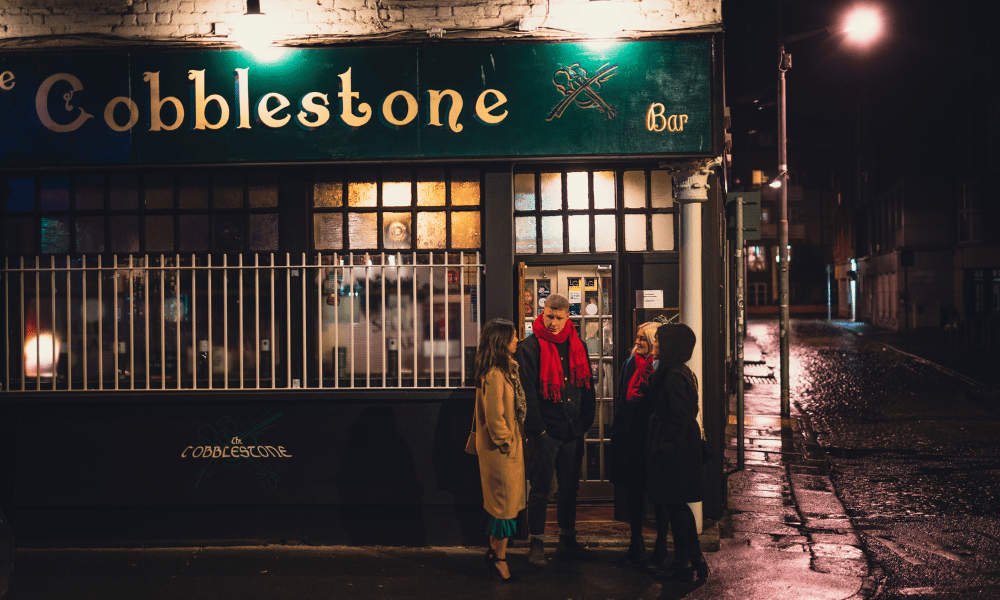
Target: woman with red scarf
628,443
555,375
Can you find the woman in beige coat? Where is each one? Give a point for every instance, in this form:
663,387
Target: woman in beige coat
500,410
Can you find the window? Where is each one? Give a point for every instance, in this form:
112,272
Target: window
968,213
396,209
579,211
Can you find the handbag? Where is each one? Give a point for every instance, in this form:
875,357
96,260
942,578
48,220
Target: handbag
707,453
470,444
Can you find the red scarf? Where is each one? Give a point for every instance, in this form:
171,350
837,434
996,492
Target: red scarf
637,385
550,370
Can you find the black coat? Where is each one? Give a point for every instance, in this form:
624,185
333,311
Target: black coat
628,434
674,474
564,420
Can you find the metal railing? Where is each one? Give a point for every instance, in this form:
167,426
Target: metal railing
182,322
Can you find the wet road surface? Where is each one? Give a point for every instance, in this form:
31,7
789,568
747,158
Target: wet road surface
915,457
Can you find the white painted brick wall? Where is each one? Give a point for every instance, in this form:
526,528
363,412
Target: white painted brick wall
338,20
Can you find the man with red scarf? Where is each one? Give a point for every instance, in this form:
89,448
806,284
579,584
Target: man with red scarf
555,375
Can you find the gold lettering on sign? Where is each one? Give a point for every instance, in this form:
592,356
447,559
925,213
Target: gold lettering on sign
156,104
485,113
657,119
109,113
411,108
311,106
456,108
6,81
347,95
243,97
200,102
266,115
42,103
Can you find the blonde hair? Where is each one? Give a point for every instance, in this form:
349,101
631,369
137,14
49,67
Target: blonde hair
648,331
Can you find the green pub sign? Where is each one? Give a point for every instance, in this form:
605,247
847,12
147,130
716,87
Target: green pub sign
487,101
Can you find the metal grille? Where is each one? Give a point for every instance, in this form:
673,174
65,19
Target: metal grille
184,322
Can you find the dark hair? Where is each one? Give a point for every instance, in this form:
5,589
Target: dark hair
492,351
676,342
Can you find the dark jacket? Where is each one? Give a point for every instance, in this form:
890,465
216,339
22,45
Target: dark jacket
628,433
674,474
564,420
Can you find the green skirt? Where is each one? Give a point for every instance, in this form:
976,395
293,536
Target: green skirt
499,528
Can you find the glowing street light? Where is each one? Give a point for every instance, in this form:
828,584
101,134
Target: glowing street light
862,26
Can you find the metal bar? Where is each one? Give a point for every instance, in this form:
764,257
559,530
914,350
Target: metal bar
117,317
69,326
336,320
321,279
288,319
145,295
177,329
52,311
740,325
350,260
385,349
163,324
416,328
225,328
305,352
83,308
194,323
100,324
242,373
21,334
461,321
274,373
399,320
430,318
256,321
6,321
211,343
131,322
447,324
368,320
38,325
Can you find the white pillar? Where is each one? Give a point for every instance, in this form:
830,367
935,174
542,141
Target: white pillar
690,181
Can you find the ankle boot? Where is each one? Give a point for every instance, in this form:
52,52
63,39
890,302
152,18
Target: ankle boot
570,549
536,555
635,554
659,555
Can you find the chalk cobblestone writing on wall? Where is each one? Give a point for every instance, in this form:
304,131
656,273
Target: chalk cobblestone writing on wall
326,20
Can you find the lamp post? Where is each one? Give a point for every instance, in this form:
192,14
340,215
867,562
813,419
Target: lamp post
861,26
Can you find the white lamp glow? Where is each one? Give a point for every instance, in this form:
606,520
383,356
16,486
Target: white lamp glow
863,25
40,356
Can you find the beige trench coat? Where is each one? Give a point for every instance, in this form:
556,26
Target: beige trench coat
500,447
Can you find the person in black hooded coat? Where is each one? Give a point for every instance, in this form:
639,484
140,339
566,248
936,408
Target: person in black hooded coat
674,474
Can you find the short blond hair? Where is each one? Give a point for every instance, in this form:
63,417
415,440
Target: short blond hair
648,331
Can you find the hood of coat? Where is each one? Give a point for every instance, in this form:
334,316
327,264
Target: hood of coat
676,342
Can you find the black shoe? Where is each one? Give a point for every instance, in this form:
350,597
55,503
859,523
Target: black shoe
701,568
635,555
659,556
570,549
536,555
493,566
675,572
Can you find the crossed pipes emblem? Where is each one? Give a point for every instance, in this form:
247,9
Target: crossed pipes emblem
584,90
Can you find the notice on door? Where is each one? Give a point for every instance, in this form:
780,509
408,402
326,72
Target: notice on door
649,298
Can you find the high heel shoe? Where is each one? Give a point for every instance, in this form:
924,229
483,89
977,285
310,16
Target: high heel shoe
701,568
493,566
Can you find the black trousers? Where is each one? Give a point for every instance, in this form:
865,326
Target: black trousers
546,456
685,530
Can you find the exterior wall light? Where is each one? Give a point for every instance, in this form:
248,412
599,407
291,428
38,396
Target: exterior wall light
255,33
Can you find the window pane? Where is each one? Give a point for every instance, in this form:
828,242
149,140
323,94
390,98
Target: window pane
124,234
577,191
90,234
663,232
22,194
159,190
328,192
661,189
363,230
430,188
194,233
89,193
361,191
263,192
194,189
635,233
264,232
228,190
604,189
551,191
396,188
465,187
55,235
159,234
124,191
552,234
229,232
55,193
525,235
396,230
328,231
604,233
19,236
524,191
465,229
634,189
431,230
579,233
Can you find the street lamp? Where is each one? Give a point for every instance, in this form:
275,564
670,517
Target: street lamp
862,26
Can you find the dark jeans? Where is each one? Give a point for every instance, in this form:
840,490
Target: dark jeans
548,455
686,544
